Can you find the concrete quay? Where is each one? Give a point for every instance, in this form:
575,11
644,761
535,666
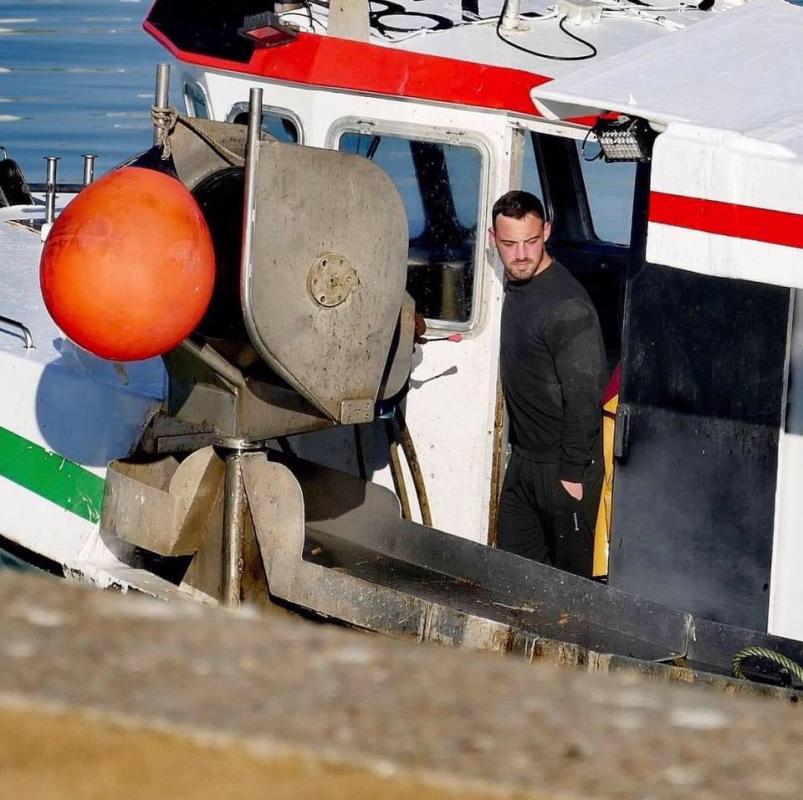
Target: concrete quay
105,695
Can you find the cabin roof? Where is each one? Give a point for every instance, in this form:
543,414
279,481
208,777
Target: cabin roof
553,52
440,50
740,72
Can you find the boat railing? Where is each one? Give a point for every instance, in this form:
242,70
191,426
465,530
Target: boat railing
23,329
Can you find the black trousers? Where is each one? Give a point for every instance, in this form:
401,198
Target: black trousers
540,520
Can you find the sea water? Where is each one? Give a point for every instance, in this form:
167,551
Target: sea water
75,78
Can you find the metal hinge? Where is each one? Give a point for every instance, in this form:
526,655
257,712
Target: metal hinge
621,435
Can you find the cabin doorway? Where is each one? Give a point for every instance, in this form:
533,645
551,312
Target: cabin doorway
697,430
590,203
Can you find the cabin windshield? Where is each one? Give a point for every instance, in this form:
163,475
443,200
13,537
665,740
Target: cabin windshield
440,185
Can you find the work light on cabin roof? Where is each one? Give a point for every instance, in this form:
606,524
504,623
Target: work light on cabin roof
266,29
624,138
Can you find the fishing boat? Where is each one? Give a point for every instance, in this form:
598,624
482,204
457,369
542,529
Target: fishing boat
303,444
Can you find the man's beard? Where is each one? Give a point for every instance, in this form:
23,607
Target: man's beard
528,266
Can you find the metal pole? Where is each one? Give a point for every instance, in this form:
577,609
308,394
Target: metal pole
50,197
511,18
251,163
89,168
233,531
219,365
161,97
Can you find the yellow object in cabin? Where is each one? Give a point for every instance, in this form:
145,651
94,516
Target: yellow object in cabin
602,530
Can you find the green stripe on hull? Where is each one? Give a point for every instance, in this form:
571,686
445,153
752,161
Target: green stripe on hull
63,482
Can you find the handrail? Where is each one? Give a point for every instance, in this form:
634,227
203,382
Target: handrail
22,328
62,188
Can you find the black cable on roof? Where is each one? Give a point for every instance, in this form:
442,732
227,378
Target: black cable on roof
546,55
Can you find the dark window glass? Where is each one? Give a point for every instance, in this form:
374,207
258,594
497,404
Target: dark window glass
439,184
530,178
196,101
609,188
281,128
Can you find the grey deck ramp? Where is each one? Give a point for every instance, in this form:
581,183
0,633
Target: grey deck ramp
355,546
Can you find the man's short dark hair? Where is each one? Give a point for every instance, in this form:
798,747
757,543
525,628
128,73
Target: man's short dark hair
518,204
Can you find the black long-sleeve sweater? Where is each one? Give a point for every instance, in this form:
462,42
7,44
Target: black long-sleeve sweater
553,370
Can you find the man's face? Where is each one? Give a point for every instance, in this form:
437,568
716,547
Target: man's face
520,243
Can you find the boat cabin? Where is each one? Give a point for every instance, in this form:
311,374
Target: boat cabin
689,247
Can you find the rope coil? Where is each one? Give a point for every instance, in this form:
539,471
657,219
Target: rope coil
786,664
164,120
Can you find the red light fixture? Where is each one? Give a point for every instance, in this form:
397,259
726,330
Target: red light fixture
266,30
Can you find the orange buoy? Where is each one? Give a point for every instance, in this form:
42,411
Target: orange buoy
128,269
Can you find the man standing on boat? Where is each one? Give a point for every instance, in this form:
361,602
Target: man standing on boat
553,374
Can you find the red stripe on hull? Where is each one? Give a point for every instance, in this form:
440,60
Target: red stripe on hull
358,67
727,219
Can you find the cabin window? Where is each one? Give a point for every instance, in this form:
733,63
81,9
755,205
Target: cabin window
609,188
282,126
439,183
195,101
530,177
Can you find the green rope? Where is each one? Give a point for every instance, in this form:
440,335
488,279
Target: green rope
786,664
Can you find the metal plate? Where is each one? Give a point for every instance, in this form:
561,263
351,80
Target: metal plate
310,203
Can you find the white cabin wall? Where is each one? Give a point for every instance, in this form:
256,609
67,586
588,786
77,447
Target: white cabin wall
450,407
731,169
786,586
